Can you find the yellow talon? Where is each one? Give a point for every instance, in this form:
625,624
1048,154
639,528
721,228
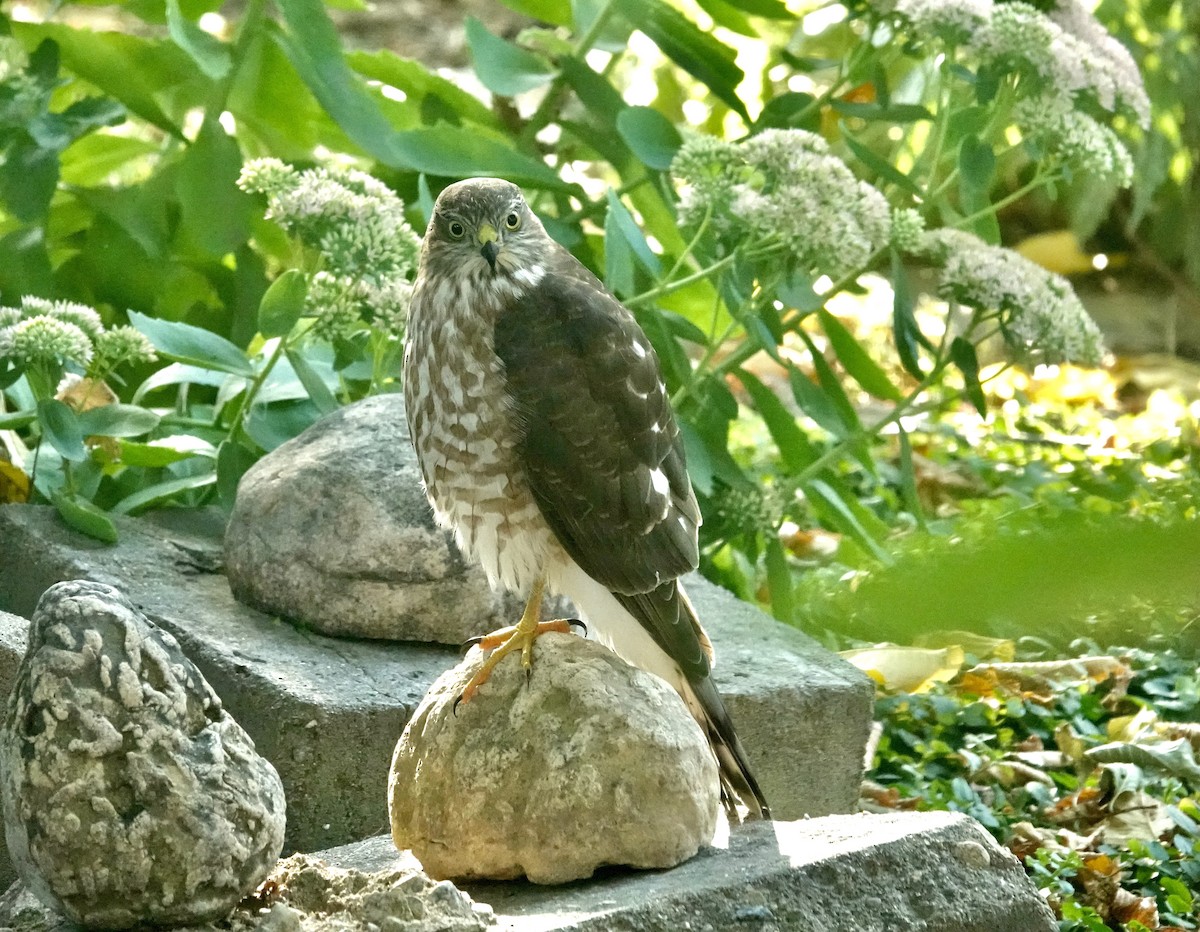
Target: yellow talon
506,640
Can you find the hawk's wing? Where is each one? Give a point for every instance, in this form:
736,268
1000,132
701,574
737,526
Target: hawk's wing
599,445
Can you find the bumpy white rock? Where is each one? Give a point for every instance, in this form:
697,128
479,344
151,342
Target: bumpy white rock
592,762
332,529
130,795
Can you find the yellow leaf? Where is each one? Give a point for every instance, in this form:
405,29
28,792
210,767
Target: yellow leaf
1003,649
14,484
907,669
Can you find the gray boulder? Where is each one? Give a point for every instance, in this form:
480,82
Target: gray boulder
332,530
590,762
130,796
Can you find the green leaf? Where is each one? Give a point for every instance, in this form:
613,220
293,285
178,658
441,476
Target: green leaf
861,367
193,345
817,404
162,491
505,69
216,213
1173,757
632,234
233,460
134,70
705,58
650,136
205,49
618,256
907,332
783,111
117,420
794,448
60,426
314,48
728,16
16,420
180,374
779,581
556,12
84,517
847,515
976,163
282,304
28,178
452,151
908,477
316,387
962,353
419,84
769,9
879,165
151,455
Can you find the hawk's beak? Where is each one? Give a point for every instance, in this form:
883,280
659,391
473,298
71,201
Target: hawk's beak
489,241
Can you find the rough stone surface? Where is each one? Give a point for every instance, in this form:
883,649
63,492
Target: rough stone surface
130,795
332,530
592,762
326,711
307,894
902,872
14,634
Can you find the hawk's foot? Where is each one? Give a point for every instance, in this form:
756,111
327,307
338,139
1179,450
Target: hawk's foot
505,641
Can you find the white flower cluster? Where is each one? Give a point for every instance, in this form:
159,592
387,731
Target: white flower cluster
1066,47
1080,141
43,332
784,186
1039,314
907,228
357,224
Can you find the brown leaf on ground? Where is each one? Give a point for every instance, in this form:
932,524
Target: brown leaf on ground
1128,907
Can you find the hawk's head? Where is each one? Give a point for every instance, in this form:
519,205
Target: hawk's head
482,228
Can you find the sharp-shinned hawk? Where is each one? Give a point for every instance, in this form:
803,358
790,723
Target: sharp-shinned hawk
547,443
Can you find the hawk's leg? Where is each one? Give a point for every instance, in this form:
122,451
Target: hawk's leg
515,637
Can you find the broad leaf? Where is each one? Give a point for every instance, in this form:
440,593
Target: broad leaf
779,581
193,345
163,491
117,420
282,304
696,52
420,84
505,69
794,447
453,151
205,49
84,517
318,390
905,329
962,352
650,135
60,426
233,460
633,235
861,367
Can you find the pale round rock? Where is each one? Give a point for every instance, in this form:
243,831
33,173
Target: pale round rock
593,762
130,796
332,530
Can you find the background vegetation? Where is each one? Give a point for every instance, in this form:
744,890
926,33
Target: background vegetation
207,241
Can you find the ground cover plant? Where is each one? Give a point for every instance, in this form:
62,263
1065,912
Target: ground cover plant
208,231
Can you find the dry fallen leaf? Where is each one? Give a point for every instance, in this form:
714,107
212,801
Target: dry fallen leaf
907,669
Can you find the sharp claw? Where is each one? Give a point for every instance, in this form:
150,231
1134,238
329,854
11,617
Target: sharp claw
576,621
454,708
471,642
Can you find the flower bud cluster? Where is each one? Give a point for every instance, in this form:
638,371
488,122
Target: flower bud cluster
54,333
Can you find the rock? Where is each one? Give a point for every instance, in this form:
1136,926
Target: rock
591,762
14,633
130,796
314,896
332,530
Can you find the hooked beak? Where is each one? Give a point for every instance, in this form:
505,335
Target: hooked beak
489,242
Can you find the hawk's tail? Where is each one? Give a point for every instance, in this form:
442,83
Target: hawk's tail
668,608
737,780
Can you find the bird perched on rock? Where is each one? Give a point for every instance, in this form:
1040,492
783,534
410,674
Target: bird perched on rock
547,443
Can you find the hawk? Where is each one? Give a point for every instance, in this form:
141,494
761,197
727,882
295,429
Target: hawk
547,443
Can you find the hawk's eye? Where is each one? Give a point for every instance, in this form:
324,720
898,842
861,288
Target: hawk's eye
513,220
457,230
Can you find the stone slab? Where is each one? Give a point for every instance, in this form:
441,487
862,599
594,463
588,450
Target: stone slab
327,712
901,872
14,634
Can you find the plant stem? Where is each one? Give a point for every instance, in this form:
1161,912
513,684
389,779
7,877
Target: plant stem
237,429
543,114
668,287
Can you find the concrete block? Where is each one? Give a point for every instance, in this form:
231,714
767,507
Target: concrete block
327,712
901,872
